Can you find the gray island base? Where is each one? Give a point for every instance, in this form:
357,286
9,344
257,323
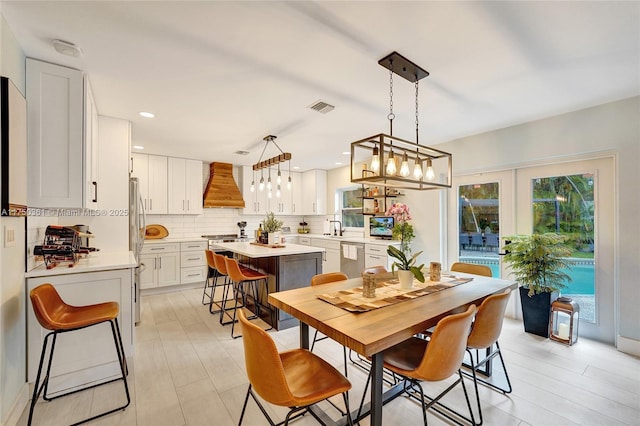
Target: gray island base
287,267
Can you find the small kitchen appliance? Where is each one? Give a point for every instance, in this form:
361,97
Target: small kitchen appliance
242,225
62,244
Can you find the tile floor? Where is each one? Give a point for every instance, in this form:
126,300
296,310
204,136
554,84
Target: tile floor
188,371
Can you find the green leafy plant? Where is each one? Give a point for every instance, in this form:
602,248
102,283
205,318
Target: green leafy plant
405,263
538,261
271,224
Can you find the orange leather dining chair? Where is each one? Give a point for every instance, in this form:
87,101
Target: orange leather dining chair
241,277
484,334
296,378
375,270
439,358
326,278
471,268
55,315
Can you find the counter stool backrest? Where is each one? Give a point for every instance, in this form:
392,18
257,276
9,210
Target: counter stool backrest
210,259
488,323
221,265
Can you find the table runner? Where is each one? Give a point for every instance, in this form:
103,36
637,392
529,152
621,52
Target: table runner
388,292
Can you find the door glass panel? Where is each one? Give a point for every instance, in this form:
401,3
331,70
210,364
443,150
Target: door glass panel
479,225
565,205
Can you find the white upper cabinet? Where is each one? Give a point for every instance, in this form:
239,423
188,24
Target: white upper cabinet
151,170
314,195
296,193
184,186
61,119
256,202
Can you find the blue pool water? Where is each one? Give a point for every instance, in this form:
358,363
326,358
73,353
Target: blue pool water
583,276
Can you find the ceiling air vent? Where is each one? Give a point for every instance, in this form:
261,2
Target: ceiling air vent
322,107
242,152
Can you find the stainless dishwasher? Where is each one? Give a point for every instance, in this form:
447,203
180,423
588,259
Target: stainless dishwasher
351,259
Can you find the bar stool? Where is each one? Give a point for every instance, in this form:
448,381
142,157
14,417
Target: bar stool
212,276
221,267
54,314
240,278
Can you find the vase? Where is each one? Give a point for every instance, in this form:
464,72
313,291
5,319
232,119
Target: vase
274,238
405,278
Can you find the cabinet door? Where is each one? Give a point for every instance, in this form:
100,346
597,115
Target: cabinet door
314,196
168,269
157,180
249,177
140,170
193,186
332,263
296,193
91,140
148,274
283,203
176,183
55,112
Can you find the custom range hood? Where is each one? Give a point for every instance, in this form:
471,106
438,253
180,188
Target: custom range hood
222,190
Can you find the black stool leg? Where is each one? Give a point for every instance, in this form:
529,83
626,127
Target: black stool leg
37,389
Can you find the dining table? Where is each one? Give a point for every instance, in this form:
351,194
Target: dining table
369,333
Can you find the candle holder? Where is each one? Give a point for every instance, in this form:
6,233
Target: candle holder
369,285
564,320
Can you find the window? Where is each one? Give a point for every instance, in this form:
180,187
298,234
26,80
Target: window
351,207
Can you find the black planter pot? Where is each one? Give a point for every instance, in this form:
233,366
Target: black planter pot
535,311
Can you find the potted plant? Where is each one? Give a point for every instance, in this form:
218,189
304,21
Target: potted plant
538,262
406,266
270,226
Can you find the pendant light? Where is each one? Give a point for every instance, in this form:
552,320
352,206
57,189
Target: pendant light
261,165
253,182
261,185
375,159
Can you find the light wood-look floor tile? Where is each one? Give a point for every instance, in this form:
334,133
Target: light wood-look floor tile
187,370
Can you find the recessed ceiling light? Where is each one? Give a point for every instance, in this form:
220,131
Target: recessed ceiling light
296,167
338,164
147,114
138,147
346,153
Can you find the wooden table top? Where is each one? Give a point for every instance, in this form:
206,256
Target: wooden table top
371,332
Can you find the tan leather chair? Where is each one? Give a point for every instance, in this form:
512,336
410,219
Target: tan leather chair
212,275
484,334
325,278
471,268
375,270
433,360
296,378
241,278
55,315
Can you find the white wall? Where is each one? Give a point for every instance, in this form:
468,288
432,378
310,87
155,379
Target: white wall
13,389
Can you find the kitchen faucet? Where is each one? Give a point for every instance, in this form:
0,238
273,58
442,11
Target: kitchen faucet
334,228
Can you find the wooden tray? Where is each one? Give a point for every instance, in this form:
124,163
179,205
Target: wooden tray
268,245
155,232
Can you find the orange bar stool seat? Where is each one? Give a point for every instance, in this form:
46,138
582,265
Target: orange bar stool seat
242,277
55,315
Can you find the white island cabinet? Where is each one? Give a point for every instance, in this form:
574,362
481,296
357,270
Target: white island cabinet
88,355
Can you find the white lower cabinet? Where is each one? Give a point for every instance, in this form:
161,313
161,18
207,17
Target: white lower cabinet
161,265
376,255
193,262
331,255
87,355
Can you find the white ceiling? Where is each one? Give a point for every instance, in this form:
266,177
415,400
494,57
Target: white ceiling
222,75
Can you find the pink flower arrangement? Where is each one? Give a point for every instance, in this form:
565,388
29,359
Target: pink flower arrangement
402,230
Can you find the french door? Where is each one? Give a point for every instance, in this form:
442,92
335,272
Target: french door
573,198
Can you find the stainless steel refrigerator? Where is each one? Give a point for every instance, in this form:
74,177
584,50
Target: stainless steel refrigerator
137,227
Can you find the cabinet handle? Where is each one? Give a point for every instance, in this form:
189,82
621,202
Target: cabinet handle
160,261
193,258
157,248
193,275
95,191
182,205
155,263
188,206
258,203
150,204
131,168
314,207
145,204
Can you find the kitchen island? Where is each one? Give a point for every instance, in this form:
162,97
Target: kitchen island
288,267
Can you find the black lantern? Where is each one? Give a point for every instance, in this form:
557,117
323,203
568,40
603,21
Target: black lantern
565,317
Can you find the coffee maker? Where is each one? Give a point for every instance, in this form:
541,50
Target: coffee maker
242,225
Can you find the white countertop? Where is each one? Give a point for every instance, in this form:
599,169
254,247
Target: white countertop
96,261
252,250
348,239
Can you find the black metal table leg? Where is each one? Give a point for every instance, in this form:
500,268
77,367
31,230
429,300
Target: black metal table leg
376,389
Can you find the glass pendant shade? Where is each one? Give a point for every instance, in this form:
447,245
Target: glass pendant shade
253,185
261,185
430,175
391,164
404,167
269,184
278,192
279,180
269,193
289,183
375,160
